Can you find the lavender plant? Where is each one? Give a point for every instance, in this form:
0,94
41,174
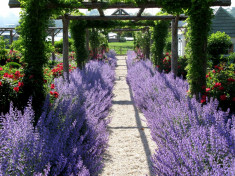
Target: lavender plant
192,139
71,135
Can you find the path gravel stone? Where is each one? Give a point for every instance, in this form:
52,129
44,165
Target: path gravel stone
130,143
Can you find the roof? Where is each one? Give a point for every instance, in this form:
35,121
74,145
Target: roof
224,22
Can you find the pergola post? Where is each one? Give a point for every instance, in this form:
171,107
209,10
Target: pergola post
53,43
87,41
66,46
174,46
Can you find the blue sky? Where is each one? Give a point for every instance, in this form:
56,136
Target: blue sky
11,16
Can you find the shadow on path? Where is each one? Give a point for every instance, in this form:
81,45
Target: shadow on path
142,134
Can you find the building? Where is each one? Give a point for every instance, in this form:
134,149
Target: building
225,22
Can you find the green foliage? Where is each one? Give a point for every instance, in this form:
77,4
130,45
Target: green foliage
160,33
18,45
3,51
200,16
59,45
143,41
13,65
34,22
94,38
122,39
218,43
78,32
174,7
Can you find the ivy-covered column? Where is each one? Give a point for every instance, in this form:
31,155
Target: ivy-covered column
159,39
34,23
200,19
78,32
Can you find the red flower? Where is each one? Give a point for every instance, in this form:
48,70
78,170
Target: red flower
20,84
10,76
217,85
0,83
207,76
1,69
56,94
203,100
5,75
17,73
44,80
231,80
52,86
16,89
157,66
31,76
208,89
51,92
221,88
223,97
203,87
214,71
203,96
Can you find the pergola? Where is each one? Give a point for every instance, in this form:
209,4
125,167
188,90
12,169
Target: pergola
101,5
8,29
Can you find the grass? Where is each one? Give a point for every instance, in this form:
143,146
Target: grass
127,43
121,47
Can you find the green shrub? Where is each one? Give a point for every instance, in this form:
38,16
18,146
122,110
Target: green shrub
59,45
18,45
122,39
3,51
218,43
13,65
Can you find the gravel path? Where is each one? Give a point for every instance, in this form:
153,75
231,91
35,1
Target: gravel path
130,144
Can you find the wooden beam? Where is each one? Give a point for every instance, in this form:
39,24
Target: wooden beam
101,12
128,29
108,18
140,12
105,5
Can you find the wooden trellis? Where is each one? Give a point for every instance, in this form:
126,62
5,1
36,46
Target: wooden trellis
95,4
11,30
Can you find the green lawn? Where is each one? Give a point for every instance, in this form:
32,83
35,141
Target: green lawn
121,48
127,43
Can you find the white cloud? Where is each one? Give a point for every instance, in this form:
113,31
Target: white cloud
6,11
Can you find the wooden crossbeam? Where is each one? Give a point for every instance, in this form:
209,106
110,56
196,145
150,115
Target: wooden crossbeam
101,12
128,29
107,18
105,5
140,12
7,29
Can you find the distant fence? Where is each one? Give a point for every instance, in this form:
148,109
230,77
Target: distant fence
121,50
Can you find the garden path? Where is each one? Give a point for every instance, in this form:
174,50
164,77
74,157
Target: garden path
130,144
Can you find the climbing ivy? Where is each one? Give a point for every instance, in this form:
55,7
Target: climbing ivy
94,41
200,15
78,32
34,21
160,32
